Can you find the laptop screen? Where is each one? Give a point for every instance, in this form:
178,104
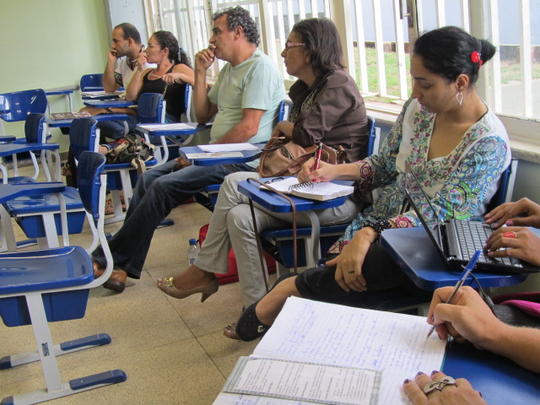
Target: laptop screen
419,199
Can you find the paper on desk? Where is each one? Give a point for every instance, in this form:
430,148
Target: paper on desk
320,383
236,399
100,93
214,155
173,126
228,147
310,331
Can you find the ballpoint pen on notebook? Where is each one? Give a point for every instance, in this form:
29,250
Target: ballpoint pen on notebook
467,270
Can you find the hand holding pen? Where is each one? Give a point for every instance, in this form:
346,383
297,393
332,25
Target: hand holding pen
466,272
318,155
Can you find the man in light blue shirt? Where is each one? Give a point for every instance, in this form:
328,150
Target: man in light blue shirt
243,102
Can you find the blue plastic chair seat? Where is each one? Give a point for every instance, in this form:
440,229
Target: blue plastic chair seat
55,268
32,225
44,203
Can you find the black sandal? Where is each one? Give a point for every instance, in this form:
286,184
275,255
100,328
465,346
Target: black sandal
249,327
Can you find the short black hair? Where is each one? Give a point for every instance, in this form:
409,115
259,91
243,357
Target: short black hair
130,31
239,17
166,39
450,51
321,40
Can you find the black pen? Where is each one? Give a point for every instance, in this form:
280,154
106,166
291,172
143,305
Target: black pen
468,268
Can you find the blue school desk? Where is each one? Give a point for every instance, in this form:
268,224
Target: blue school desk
274,203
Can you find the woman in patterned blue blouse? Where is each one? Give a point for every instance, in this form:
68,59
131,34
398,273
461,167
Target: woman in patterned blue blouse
447,136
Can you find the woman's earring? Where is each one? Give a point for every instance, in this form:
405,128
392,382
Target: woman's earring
459,98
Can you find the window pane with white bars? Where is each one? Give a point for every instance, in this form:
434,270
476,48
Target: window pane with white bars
379,40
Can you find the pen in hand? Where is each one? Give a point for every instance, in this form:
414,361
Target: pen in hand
318,155
467,270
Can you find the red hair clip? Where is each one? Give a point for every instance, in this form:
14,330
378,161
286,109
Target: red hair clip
475,58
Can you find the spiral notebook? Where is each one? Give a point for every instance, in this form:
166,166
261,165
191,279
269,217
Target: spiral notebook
313,191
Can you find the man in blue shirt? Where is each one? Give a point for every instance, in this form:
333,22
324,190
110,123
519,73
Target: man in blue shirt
243,102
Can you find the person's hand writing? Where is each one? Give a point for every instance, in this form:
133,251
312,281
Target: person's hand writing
351,259
523,212
204,58
468,317
512,241
462,393
326,172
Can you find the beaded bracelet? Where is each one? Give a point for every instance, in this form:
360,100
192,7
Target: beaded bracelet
379,226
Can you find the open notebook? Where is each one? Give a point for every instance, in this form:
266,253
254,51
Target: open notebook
320,353
314,191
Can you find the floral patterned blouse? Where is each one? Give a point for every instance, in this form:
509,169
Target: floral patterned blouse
459,184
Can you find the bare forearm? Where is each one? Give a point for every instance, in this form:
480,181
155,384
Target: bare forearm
519,344
203,107
348,171
135,85
109,82
241,132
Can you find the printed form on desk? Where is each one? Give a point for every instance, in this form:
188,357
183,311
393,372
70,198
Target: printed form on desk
334,335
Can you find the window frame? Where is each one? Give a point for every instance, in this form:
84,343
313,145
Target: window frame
521,130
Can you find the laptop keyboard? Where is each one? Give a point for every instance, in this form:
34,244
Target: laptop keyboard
471,236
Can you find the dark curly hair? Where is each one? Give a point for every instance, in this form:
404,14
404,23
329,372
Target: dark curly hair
239,17
167,40
447,52
321,40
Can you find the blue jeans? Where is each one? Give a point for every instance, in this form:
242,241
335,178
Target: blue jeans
157,192
115,129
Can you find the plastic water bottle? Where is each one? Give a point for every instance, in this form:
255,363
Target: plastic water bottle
193,251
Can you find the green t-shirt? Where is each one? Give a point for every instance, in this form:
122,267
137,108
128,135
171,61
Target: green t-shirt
254,83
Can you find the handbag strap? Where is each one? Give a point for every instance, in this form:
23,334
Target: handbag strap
257,237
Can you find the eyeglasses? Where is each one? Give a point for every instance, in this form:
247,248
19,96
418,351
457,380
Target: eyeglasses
290,44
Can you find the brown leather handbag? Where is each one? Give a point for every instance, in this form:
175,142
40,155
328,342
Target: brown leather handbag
281,157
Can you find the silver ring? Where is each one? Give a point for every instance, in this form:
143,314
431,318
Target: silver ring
438,384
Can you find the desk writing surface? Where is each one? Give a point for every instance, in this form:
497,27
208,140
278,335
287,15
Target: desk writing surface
10,191
170,129
12,148
109,103
501,381
418,258
247,156
276,203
